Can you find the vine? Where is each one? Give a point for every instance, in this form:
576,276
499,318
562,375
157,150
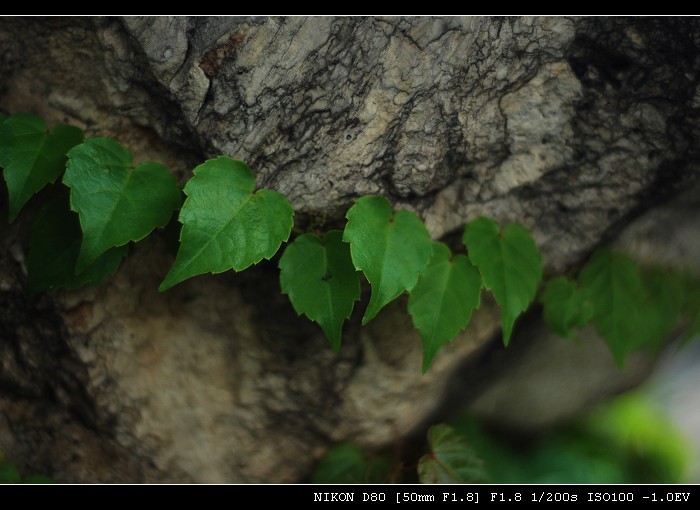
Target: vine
107,203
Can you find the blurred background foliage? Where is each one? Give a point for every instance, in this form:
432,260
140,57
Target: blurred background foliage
649,435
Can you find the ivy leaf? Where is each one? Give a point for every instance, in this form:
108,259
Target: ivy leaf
116,203
391,248
664,292
510,265
442,300
318,276
225,224
346,463
451,459
54,250
566,307
32,158
617,294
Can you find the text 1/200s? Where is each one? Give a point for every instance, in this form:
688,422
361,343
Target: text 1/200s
537,497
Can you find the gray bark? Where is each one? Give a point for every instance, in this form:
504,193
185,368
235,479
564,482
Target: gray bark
572,127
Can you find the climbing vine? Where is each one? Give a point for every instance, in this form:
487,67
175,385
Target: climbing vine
107,203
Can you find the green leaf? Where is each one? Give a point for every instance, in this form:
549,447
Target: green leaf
618,297
442,300
320,280
451,459
664,293
616,293
510,265
116,203
2,118
32,158
225,224
392,249
54,250
346,463
566,307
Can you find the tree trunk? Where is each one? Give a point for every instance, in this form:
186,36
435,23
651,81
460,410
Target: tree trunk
571,127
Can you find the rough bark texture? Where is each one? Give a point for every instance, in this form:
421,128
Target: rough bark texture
572,127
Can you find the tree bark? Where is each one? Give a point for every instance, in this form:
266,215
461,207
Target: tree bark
573,127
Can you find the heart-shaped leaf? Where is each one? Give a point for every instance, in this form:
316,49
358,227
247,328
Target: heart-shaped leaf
665,297
318,276
225,224
31,156
617,294
566,307
116,203
510,265
442,300
630,312
391,248
54,250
